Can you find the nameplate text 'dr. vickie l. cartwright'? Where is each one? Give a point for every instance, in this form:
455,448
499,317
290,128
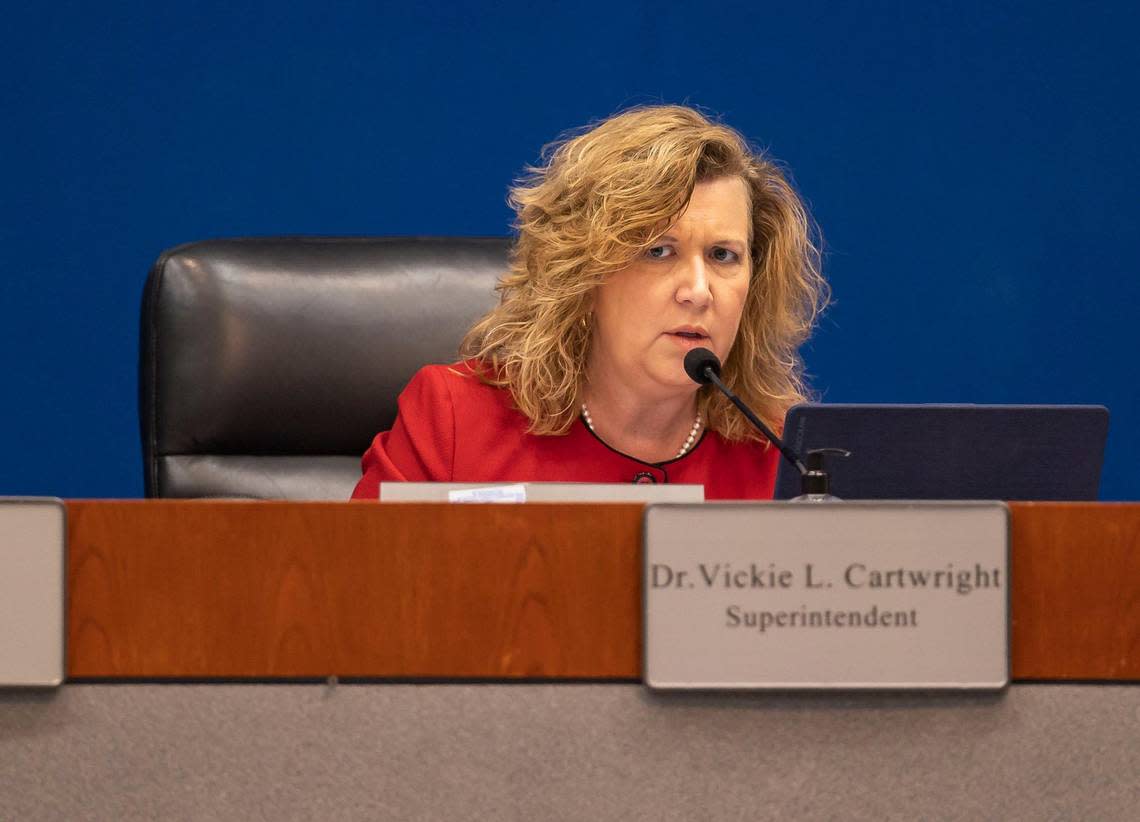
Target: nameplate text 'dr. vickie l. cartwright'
839,595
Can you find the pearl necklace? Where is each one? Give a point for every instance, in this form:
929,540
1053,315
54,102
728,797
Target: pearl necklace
684,448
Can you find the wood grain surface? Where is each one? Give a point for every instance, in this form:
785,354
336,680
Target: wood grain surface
219,589
1075,571
270,589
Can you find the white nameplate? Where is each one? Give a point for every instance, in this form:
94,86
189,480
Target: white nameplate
33,537
539,492
833,595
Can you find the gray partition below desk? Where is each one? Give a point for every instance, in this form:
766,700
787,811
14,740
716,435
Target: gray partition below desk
587,751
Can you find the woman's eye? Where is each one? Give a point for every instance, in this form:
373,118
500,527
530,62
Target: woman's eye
724,255
659,252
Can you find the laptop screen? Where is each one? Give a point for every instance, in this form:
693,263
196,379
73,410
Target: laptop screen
1002,452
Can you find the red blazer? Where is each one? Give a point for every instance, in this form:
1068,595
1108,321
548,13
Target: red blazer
452,427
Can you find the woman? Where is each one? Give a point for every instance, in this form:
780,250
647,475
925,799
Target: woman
652,233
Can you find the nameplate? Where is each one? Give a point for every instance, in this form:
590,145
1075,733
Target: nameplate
539,492
33,536
856,595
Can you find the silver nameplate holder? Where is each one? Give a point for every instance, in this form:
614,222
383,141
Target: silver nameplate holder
33,570
843,595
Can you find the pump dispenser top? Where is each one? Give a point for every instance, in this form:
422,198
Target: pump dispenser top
815,482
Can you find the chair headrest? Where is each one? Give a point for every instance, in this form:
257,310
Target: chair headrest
278,346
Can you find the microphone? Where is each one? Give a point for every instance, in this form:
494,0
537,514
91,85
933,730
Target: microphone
703,368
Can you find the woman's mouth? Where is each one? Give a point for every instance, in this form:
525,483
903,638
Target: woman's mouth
688,339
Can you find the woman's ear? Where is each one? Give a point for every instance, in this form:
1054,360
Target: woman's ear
588,304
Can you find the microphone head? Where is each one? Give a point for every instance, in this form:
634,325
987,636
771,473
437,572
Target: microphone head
698,362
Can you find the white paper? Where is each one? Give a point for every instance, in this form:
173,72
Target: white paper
494,493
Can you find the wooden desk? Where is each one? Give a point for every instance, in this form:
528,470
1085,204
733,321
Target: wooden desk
210,589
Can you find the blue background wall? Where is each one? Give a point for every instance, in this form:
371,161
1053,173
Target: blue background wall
973,167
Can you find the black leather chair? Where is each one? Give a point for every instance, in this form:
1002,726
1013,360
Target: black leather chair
268,364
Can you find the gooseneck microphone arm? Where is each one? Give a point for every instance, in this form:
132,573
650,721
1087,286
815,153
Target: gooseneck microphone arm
788,453
703,368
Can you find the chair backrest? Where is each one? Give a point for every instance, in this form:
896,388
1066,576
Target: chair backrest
268,364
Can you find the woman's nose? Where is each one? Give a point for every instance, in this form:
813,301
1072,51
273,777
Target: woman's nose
693,286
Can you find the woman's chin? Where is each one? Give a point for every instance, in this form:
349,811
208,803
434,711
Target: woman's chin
672,375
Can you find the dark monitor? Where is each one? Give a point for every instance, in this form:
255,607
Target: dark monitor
1003,452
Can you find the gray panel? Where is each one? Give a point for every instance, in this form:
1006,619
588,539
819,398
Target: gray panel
564,752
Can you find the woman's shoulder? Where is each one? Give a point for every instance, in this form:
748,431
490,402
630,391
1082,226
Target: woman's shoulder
461,382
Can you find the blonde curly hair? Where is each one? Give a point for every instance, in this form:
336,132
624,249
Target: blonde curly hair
600,199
